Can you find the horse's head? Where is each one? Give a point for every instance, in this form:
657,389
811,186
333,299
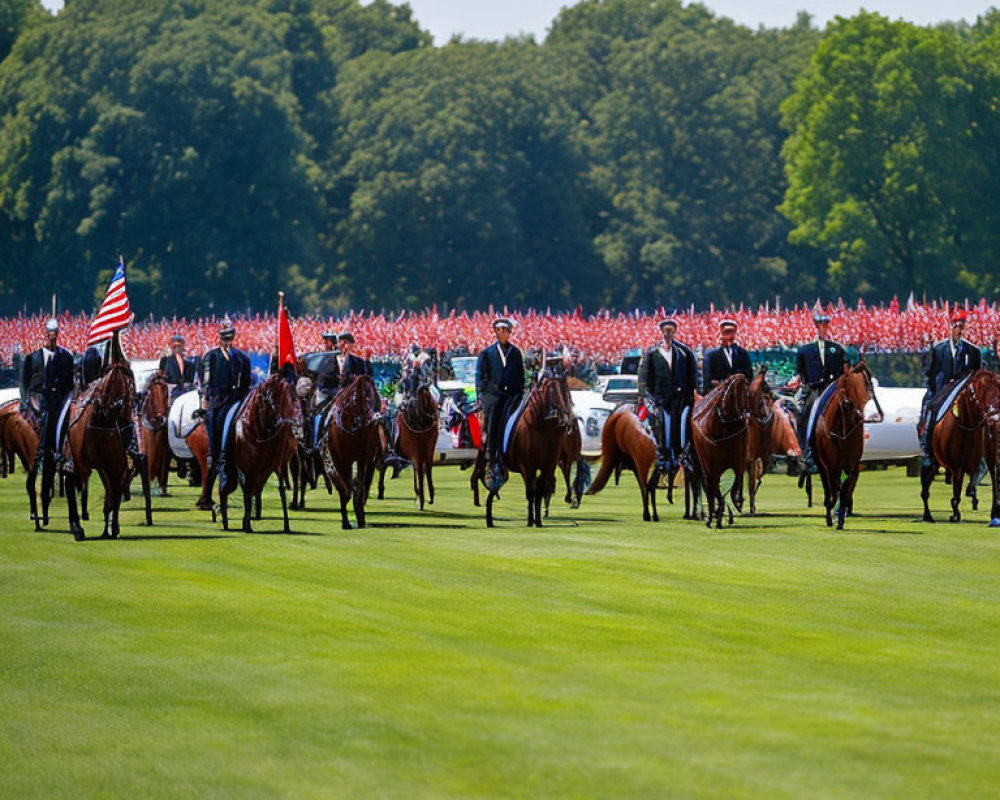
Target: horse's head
425,399
113,396
858,385
761,401
980,402
552,401
734,398
356,404
783,436
157,403
278,396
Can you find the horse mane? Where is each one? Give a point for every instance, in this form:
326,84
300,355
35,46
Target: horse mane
419,411
263,419
711,401
356,404
103,398
761,402
159,383
549,389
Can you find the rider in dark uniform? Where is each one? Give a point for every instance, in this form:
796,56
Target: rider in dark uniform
92,364
328,370
178,370
226,381
668,377
351,366
47,377
947,361
727,359
500,386
818,364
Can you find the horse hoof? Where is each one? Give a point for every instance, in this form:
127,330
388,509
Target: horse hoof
975,504
928,518
954,518
78,535
840,526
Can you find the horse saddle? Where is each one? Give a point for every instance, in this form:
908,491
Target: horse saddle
950,396
817,409
229,427
62,427
512,420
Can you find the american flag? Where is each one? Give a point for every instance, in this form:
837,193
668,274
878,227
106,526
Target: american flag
115,312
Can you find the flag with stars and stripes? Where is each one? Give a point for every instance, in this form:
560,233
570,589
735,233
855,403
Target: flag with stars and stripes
115,312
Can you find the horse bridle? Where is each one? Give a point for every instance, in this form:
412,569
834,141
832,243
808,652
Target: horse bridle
989,415
278,421
846,406
741,416
557,408
159,422
336,412
429,418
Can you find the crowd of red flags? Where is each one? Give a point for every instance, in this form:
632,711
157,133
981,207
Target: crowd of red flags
604,335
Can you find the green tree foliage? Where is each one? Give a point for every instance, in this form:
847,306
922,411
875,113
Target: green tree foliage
17,16
683,142
231,148
173,132
460,181
890,169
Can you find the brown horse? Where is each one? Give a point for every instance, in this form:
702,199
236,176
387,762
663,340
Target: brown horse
7,454
962,438
20,439
572,455
351,446
418,425
153,431
95,442
263,445
840,439
719,436
536,443
626,444
760,434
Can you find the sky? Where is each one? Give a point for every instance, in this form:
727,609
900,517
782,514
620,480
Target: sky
496,19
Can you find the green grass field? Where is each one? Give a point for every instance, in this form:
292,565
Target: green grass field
427,656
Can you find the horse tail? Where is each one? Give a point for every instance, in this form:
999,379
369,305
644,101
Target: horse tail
610,453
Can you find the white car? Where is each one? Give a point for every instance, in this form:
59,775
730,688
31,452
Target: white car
895,437
592,411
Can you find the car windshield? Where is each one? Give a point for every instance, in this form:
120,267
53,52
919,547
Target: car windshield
465,369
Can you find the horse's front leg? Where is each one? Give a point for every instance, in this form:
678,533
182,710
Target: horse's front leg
109,502
831,492
430,481
529,494
645,488
74,516
30,484
418,482
248,498
146,488
282,493
846,490
381,481
958,476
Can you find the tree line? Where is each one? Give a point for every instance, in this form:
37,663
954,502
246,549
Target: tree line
644,154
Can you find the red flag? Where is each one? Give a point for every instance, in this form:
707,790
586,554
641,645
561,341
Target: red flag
115,312
286,347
